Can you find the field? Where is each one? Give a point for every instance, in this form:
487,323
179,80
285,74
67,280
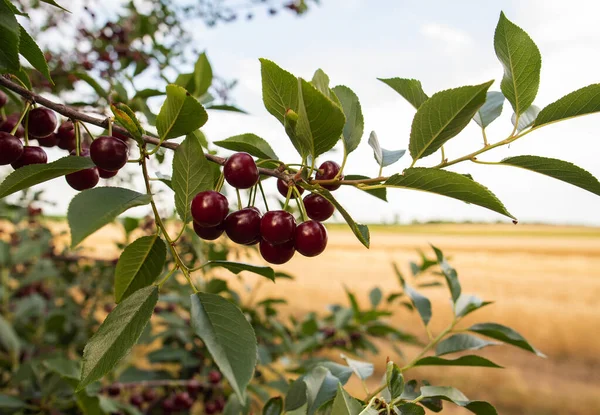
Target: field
544,280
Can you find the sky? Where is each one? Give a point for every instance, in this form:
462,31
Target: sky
444,45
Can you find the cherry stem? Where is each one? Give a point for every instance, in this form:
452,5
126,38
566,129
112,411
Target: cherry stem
220,182
25,111
110,125
26,136
300,204
77,139
262,192
239,198
2,114
88,131
289,195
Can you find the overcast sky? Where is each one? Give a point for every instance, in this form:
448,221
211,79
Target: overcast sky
445,45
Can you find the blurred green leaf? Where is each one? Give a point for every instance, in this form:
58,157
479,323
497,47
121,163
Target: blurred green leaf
249,143
504,334
203,75
470,360
461,342
344,404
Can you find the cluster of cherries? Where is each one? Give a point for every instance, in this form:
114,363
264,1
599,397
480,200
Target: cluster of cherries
109,153
276,232
178,401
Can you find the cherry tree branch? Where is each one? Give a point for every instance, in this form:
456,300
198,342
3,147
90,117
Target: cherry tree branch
74,114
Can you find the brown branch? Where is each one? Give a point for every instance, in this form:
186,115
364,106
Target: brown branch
73,114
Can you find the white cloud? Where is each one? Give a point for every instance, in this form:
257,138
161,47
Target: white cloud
452,37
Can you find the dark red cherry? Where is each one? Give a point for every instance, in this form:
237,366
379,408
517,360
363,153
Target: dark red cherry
105,174
240,171
10,122
318,208
243,226
11,148
109,153
209,233
136,400
277,227
283,187
311,238
49,141
114,389
42,122
120,136
210,408
66,136
277,254
209,208
3,99
327,171
183,400
214,377
83,179
149,395
31,155
168,405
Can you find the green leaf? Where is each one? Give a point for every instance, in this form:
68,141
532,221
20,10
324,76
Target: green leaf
558,169
191,175
94,208
9,38
375,296
321,82
32,52
504,334
10,402
526,119
279,89
274,406
384,157
83,76
55,4
490,110
228,336
378,193
65,367
320,121
355,123
411,409
461,342
522,63
344,404
394,380
180,114
117,335
449,273
410,89
203,75
148,93
443,116
466,304
583,101
230,108
249,143
321,387
15,10
470,360
421,303
450,184
126,117
139,265
237,267
296,396
33,174
363,370
360,231
9,341
454,395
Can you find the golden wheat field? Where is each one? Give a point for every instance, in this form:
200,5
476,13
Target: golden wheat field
544,280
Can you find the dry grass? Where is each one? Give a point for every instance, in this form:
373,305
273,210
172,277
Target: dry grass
545,282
